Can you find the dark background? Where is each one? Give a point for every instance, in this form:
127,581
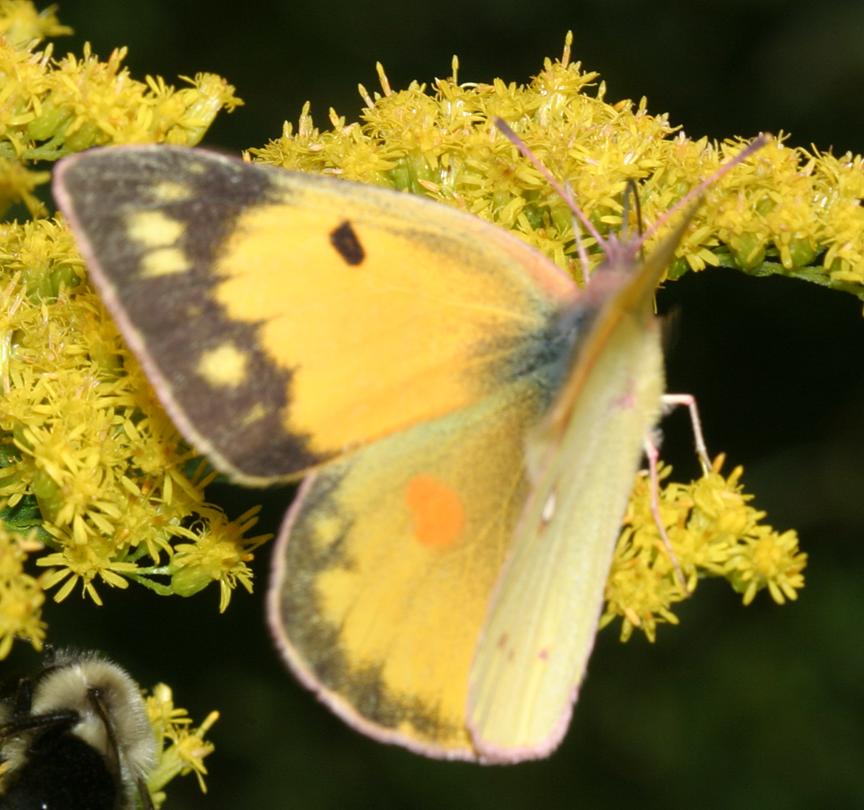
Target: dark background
746,708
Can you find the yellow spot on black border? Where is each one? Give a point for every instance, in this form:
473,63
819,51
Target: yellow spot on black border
344,238
255,414
224,367
154,229
163,262
168,191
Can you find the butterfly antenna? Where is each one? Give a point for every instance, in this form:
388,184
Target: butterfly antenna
580,248
652,453
563,192
696,192
631,192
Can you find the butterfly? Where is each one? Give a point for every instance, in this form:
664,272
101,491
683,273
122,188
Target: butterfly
466,422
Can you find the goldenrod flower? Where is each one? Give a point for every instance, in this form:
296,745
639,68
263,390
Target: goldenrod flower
182,747
787,211
21,595
714,532
87,456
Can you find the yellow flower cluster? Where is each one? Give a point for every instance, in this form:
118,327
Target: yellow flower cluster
21,594
787,211
89,459
119,495
181,747
51,107
95,484
713,532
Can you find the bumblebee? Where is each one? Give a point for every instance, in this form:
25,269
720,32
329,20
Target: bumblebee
75,735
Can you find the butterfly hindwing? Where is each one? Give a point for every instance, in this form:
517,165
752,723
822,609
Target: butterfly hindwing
540,628
385,564
582,457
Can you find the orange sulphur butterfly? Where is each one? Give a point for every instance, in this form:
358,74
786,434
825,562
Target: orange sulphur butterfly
469,425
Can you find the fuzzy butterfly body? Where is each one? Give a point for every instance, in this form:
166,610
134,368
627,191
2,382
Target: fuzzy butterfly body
468,425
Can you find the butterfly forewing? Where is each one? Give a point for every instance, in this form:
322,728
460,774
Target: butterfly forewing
288,318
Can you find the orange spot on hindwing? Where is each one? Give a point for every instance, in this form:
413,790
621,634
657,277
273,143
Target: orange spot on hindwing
436,511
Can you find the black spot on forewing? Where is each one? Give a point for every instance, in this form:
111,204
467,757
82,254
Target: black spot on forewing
171,320
344,238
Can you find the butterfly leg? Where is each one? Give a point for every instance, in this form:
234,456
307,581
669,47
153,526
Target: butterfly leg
652,453
689,401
